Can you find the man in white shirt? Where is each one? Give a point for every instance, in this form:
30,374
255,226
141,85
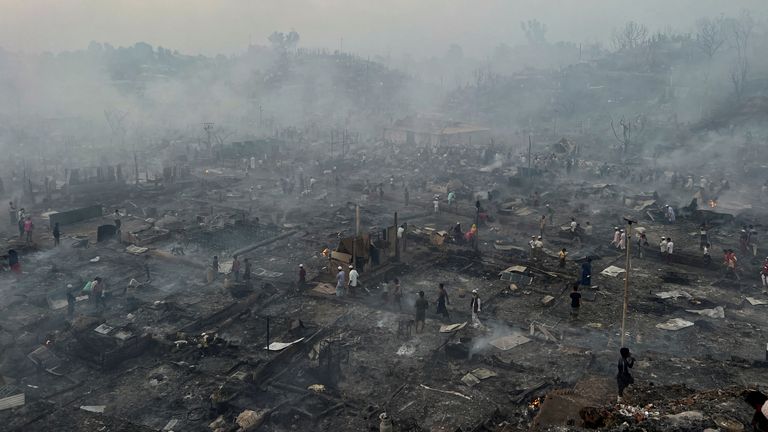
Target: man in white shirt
353,276
401,235
538,246
670,249
670,214
532,244
663,246
616,237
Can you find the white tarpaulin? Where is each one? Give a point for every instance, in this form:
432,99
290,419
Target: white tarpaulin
279,346
756,302
717,312
136,250
450,328
612,271
673,294
508,342
93,408
674,324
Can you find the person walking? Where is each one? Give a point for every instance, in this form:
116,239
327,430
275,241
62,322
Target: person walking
443,302
730,260
118,225
758,402
476,308
28,227
753,233
397,295
575,301
538,251
639,244
551,215
622,240
562,256
586,272
13,262
532,246
616,237
340,281
236,268
20,223
353,281
302,275
707,254
670,250
56,234
421,312
624,377
401,235
703,236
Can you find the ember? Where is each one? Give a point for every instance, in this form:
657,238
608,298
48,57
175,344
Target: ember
535,403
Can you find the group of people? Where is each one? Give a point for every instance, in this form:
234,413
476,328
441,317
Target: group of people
346,282
536,245
24,223
238,271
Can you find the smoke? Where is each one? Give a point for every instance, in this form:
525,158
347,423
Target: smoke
494,330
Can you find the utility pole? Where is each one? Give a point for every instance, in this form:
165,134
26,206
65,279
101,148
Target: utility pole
477,224
530,147
357,235
136,166
628,242
267,347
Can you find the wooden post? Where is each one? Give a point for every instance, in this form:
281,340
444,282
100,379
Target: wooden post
530,146
267,347
397,242
477,224
136,167
357,235
626,281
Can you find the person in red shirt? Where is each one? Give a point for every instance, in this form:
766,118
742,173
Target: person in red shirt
757,401
730,264
764,273
28,227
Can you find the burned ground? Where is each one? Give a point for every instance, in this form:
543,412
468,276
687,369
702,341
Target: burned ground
187,349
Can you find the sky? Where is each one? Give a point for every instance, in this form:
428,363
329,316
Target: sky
415,27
